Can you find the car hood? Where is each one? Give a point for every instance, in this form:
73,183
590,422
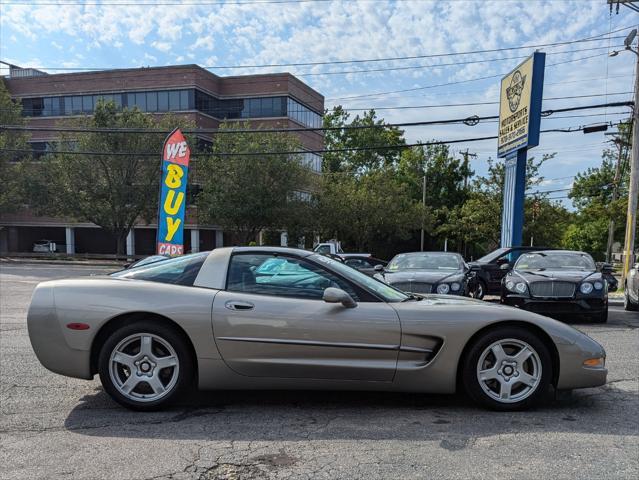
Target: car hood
575,276
424,276
447,314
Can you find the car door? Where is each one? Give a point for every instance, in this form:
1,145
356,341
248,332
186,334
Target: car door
271,321
634,281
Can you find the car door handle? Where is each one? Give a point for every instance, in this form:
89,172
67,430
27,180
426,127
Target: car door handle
238,305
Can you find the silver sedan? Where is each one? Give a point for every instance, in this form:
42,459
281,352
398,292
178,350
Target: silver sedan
277,318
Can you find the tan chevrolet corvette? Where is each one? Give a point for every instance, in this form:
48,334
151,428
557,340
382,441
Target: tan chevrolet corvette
278,318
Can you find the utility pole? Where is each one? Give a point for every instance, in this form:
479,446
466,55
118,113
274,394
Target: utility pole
615,193
633,187
466,155
423,212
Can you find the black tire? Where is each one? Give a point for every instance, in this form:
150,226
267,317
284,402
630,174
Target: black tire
628,305
471,382
161,333
479,289
602,317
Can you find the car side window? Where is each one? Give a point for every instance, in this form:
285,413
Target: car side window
324,249
179,270
266,274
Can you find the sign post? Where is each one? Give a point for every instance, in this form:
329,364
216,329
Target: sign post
175,167
519,121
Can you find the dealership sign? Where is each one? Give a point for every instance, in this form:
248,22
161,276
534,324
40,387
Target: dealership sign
520,105
175,168
519,120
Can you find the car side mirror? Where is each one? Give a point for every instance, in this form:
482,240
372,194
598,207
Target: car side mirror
379,268
337,295
505,266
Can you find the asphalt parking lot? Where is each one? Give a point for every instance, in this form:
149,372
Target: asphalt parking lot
57,427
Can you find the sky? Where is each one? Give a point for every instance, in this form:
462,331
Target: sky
74,34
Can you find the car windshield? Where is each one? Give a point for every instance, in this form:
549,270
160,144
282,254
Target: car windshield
489,257
425,261
386,292
555,261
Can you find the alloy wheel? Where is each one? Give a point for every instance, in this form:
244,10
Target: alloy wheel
509,370
144,367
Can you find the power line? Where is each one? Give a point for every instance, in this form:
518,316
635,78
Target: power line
409,107
472,120
385,59
295,152
457,82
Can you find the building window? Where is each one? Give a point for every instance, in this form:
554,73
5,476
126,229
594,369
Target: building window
163,101
151,101
174,100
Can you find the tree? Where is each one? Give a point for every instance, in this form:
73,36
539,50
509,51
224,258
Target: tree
108,189
600,195
446,189
355,137
369,212
10,114
246,191
478,221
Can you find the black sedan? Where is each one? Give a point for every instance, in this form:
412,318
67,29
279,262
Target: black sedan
427,272
557,283
490,269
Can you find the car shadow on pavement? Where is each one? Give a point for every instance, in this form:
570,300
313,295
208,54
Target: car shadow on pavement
312,415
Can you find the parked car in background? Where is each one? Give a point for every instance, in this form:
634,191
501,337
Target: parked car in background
277,318
45,246
631,289
333,247
606,270
557,283
365,264
146,261
427,272
490,269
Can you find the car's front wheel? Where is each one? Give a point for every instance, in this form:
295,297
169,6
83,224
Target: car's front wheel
145,365
507,368
478,290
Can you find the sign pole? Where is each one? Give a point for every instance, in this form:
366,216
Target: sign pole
519,122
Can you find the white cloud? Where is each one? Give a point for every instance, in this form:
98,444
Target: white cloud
161,46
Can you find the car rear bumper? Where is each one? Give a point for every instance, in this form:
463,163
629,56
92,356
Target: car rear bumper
559,306
48,341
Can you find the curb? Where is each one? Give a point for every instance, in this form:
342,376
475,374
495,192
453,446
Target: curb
88,263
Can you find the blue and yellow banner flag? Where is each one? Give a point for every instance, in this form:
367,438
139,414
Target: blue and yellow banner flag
175,169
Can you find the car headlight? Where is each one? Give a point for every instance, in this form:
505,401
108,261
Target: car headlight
520,287
586,288
598,285
510,285
455,286
443,289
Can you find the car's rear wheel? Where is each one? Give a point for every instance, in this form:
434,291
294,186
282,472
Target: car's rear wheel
507,368
145,365
628,303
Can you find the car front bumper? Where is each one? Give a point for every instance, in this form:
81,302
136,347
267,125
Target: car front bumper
551,307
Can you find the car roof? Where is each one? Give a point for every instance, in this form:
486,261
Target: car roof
550,250
282,250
